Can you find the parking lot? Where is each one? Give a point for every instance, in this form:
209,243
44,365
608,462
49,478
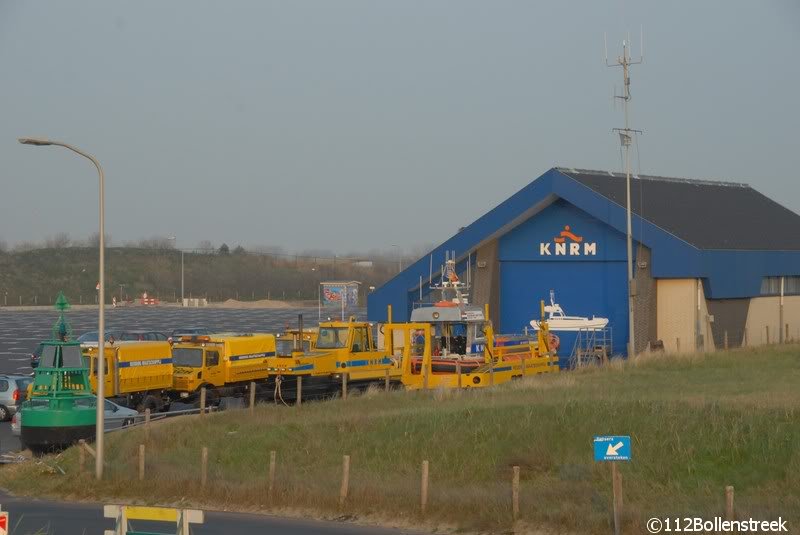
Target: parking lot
21,331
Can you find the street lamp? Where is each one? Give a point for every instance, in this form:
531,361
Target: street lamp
399,258
175,239
101,323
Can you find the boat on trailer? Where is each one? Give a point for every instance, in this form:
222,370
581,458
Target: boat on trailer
462,337
557,320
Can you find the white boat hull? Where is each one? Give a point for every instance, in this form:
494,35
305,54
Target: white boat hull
583,324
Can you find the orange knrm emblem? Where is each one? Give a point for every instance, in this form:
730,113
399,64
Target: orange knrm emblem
567,234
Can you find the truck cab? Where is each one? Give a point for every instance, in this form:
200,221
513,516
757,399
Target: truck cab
342,347
223,363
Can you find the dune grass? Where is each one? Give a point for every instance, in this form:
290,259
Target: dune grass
698,423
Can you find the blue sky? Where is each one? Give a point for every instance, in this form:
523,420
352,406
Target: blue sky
354,125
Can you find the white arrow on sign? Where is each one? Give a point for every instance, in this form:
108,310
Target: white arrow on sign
614,450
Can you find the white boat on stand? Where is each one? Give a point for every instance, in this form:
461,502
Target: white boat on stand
557,320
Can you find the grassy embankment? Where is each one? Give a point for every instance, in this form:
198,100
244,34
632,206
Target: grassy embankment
698,423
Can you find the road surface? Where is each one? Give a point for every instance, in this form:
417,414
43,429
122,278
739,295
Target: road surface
34,517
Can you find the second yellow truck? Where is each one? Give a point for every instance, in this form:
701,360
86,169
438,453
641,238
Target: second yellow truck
224,364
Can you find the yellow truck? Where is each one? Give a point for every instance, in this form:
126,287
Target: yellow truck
341,348
137,374
224,364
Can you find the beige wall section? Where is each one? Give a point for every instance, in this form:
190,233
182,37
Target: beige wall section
765,312
677,309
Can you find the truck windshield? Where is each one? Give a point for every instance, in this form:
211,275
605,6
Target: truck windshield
332,337
187,356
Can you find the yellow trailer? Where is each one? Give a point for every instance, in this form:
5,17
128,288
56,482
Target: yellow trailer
502,363
224,364
138,374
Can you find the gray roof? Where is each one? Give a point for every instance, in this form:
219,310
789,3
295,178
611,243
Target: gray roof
707,214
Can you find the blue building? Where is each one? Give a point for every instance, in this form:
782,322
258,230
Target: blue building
716,263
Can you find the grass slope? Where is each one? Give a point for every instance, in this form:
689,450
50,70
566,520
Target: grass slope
697,423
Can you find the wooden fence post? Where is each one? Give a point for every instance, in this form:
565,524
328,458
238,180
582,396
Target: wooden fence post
203,467
515,492
272,462
423,495
725,340
299,390
386,379
202,401
345,480
252,397
344,385
141,462
81,458
677,345
729,514
786,337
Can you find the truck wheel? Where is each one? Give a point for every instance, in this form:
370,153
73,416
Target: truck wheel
151,402
4,413
212,397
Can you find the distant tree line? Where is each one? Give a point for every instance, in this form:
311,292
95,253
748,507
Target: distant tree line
34,273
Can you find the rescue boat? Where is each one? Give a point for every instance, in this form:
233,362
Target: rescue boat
459,329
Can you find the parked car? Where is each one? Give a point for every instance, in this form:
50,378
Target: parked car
142,336
176,334
36,355
116,416
13,391
89,339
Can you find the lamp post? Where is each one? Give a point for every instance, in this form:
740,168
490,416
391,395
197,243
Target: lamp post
175,239
399,258
101,327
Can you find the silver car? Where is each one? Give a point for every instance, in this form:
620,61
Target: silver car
13,391
116,416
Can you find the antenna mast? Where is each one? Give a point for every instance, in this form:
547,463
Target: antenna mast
625,136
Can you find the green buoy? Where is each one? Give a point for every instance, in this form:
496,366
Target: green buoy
61,409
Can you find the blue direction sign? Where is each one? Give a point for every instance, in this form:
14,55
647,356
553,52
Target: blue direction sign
612,448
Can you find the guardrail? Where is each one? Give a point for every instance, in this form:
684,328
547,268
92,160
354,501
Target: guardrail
122,513
143,419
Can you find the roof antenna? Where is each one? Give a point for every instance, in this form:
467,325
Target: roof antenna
625,137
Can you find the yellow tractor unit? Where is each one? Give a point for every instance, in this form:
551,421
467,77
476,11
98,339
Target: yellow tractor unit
224,364
344,351
137,374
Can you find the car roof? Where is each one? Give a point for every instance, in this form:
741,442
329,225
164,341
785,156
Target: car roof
140,331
